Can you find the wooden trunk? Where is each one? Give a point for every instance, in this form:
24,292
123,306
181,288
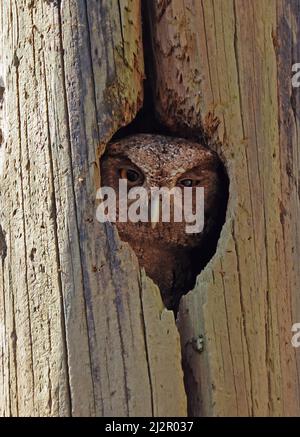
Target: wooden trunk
83,331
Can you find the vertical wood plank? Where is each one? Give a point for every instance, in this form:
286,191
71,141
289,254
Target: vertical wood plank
76,335
234,59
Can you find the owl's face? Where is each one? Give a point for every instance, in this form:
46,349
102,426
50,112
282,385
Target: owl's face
149,161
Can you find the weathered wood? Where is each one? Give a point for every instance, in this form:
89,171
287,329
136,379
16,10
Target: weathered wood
234,58
82,331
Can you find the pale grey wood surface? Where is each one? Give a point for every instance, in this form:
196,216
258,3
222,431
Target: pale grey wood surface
82,331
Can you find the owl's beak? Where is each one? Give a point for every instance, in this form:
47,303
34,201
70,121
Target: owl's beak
155,203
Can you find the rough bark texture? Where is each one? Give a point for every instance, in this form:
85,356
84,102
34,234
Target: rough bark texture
234,58
82,331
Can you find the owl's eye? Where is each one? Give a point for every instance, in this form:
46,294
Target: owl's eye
188,182
129,174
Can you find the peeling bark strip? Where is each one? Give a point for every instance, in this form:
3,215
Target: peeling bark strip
85,333
234,58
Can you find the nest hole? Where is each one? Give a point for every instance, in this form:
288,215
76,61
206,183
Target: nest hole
147,122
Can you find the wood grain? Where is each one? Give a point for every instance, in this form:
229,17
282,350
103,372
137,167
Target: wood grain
234,59
83,332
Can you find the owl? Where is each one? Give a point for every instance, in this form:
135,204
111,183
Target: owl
170,256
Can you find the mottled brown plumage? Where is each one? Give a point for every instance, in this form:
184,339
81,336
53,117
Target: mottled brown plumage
170,256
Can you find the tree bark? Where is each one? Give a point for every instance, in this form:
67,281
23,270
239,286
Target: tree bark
234,59
83,331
